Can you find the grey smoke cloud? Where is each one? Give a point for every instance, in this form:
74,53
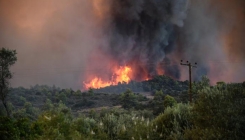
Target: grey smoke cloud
143,33
212,36
65,42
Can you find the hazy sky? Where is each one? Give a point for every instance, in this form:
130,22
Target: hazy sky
52,37
55,39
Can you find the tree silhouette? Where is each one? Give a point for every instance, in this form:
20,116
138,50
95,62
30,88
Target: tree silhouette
7,59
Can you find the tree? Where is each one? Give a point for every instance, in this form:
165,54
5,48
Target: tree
128,99
91,92
7,59
169,101
158,95
157,102
204,83
172,124
218,113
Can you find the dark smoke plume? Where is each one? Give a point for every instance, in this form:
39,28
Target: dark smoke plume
143,33
64,42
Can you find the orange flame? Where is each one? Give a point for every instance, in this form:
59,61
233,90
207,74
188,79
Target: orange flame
97,83
120,75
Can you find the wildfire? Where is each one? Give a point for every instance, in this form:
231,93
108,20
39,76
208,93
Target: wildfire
122,74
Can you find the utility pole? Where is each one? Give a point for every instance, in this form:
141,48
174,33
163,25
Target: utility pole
190,67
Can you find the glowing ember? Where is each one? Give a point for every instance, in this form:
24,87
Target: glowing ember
120,75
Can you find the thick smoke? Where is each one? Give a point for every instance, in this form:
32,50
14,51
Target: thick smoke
143,33
154,35
213,36
65,42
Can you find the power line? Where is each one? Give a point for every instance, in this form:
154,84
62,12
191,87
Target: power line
190,68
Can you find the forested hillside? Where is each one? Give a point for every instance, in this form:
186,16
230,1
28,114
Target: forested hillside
44,112
39,95
161,82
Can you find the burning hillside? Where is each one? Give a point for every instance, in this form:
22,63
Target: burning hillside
122,74
141,35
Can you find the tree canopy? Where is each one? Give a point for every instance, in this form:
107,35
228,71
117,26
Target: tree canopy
7,59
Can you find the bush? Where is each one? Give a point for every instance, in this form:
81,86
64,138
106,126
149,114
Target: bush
173,122
8,131
219,113
21,128
169,101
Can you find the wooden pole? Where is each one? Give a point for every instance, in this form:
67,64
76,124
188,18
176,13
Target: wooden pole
190,81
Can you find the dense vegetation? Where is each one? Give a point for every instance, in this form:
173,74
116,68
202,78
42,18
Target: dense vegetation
161,82
7,59
160,112
39,95
44,112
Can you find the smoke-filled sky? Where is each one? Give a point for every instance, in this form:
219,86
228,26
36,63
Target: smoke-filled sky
65,42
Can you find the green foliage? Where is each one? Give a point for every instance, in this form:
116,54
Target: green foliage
84,125
28,111
8,131
163,82
128,99
110,124
157,103
56,124
160,82
91,92
48,106
22,100
7,59
169,101
221,85
78,93
92,114
21,128
173,122
61,97
158,95
204,83
83,103
23,125
219,113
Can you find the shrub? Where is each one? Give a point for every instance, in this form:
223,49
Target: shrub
173,122
219,113
169,101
